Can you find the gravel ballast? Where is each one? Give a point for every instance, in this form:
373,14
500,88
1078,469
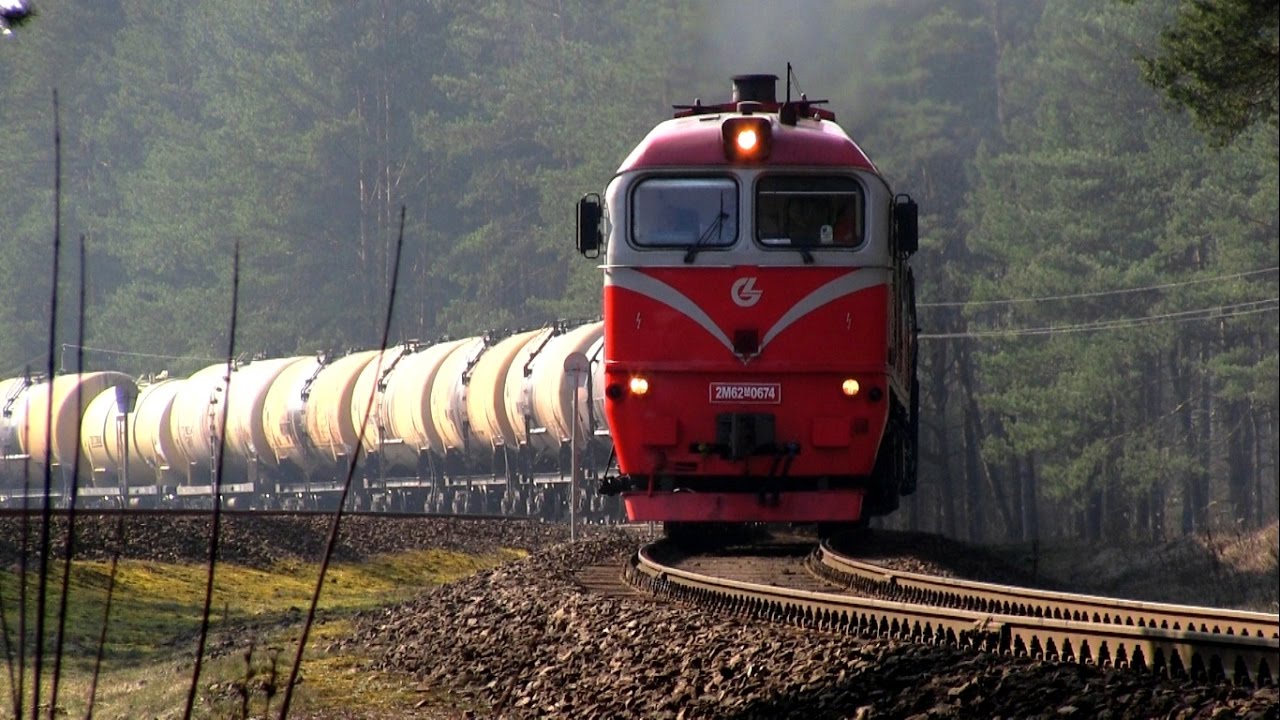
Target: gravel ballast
526,640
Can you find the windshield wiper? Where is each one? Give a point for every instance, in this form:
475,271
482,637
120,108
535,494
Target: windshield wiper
715,227
808,256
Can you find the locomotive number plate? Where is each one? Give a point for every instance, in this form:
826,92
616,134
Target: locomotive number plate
764,393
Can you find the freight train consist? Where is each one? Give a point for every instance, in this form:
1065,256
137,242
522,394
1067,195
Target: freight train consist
756,362
759,318
483,425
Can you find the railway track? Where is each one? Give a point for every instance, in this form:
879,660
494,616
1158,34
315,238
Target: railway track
842,595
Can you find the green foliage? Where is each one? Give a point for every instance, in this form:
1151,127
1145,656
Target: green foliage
1099,190
299,130
1220,59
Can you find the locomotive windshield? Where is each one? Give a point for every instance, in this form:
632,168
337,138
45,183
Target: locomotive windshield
685,212
809,212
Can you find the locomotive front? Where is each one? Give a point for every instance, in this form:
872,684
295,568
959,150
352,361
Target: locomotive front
759,329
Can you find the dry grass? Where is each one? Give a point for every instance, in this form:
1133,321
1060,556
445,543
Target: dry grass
1237,570
254,631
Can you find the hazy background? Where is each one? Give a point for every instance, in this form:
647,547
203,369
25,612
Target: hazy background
1097,280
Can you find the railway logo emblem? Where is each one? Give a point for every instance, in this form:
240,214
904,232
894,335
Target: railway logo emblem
744,292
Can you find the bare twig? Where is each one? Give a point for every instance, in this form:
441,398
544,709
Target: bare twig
217,491
70,544
46,515
346,489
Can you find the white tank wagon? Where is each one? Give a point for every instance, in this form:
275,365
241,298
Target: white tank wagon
247,449
105,440
449,397
211,400
151,442
332,434
597,419
458,425
14,469
40,421
368,397
284,418
550,400
411,440
478,463
552,405
487,410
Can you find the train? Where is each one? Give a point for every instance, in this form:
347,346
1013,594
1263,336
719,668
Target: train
490,424
759,321
755,362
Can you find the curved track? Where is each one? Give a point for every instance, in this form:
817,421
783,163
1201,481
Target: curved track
1053,626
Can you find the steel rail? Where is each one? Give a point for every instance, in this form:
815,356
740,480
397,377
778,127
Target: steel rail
1200,655
834,567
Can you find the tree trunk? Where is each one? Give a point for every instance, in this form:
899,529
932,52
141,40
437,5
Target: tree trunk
1093,514
975,468
1238,470
945,505
1030,514
1204,446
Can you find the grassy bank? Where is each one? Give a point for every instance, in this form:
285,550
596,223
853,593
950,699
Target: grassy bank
254,627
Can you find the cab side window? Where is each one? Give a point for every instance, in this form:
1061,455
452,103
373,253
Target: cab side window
809,212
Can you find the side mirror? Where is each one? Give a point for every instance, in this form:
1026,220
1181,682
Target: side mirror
590,234
906,223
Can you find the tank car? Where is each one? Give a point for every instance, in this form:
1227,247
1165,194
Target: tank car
40,429
482,424
216,416
759,325
146,459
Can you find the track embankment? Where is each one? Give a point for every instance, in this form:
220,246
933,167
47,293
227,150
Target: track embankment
530,640
260,539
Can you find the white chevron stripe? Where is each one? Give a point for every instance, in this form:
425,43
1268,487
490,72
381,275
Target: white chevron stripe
847,284
844,285
655,289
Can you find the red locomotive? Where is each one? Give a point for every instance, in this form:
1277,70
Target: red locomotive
759,318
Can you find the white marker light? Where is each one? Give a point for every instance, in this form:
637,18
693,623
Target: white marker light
639,386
